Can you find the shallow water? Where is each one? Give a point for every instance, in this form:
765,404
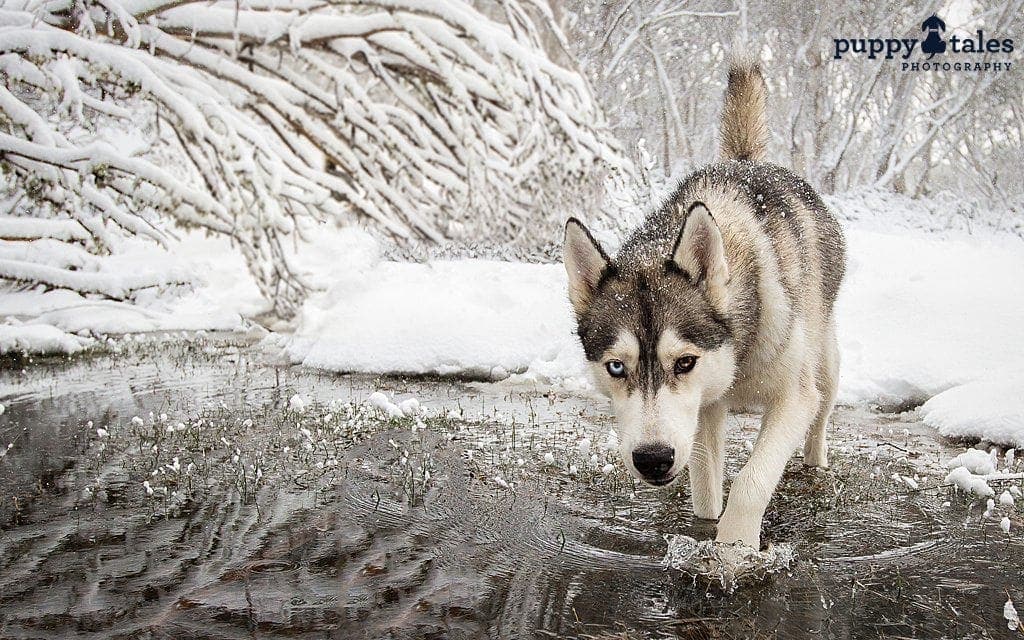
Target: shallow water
339,532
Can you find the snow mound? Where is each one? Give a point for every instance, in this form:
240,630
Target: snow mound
967,482
467,317
990,408
39,339
918,315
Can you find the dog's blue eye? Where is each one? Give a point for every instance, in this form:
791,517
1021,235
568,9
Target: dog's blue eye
684,365
616,369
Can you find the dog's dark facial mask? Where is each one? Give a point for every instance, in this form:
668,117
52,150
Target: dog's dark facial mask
656,339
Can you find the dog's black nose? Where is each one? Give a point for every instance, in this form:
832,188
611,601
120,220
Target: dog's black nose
653,461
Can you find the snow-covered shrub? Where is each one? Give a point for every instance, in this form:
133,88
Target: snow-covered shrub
429,119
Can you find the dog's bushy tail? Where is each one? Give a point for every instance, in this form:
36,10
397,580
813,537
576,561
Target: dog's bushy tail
744,121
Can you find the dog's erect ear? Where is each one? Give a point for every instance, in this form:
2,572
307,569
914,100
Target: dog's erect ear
585,261
700,253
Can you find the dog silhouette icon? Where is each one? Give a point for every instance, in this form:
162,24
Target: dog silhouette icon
933,42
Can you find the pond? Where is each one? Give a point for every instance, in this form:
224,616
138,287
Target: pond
197,488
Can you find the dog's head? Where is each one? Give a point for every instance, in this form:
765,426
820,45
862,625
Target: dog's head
654,331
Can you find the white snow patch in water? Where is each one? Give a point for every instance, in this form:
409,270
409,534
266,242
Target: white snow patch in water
296,403
974,460
1010,615
410,407
969,483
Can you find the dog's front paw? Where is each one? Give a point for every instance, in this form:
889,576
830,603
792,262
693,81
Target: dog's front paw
744,530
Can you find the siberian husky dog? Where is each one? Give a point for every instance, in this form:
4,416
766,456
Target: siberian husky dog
723,298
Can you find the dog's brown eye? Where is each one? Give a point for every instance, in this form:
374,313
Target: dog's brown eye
685,365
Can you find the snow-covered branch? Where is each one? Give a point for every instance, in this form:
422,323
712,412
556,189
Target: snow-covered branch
429,120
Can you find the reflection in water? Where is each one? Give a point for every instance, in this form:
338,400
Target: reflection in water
341,533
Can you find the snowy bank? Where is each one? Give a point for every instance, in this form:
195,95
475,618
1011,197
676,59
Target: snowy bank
917,316
39,339
991,407
475,317
217,294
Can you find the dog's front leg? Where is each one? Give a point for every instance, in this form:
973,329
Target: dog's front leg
783,426
707,462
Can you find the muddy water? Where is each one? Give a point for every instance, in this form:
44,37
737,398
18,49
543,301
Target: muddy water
320,517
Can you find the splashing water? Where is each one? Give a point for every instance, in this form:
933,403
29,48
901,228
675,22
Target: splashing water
727,565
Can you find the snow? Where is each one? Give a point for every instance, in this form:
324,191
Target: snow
380,401
1010,615
218,295
39,339
409,407
476,317
968,482
975,461
297,404
990,407
919,317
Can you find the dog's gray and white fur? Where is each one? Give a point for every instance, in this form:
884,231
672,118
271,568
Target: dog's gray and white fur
723,298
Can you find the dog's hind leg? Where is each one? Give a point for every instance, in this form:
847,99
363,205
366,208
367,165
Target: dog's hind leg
816,444
707,463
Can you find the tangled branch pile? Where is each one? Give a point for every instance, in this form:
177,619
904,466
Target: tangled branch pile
429,119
